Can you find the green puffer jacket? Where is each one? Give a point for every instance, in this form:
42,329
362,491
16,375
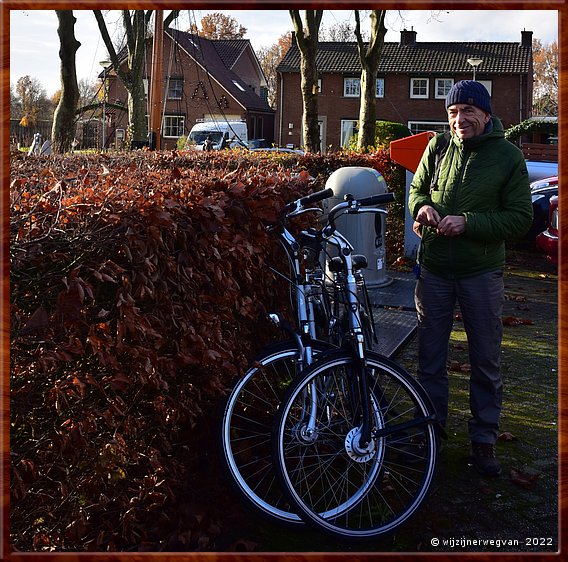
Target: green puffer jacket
485,179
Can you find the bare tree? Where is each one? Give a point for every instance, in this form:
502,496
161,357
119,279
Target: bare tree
341,32
307,40
369,55
269,58
63,129
132,74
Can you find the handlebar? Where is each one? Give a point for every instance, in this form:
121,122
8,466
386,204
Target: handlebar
362,205
381,199
308,199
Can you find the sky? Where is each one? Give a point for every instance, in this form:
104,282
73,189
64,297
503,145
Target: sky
34,43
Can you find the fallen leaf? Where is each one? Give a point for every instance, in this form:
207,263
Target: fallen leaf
38,320
523,479
506,436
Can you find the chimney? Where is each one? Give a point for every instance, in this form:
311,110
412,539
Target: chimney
407,37
526,38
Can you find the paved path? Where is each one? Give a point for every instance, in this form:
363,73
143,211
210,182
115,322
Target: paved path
394,312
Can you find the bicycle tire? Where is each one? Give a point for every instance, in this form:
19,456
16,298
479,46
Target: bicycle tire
246,426
332,486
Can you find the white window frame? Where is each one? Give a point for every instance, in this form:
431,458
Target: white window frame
380,88
416,127
437,94
419,96
178,90
351,87
168,126
347,130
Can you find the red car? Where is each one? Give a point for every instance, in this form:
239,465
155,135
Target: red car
547,241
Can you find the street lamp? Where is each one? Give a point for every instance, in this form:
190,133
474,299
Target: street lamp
475,62
105,64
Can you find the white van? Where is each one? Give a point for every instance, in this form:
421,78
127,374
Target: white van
223,134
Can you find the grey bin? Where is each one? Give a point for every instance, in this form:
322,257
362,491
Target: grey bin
365,231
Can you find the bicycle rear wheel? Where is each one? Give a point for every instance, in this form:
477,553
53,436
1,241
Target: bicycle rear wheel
246,426
340,488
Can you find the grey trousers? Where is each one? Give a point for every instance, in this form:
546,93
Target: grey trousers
481,304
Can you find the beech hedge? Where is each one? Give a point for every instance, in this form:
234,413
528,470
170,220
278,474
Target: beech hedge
139,291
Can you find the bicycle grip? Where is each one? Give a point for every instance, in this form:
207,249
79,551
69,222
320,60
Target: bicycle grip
317,196
381,199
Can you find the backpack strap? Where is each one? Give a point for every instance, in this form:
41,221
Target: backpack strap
442,144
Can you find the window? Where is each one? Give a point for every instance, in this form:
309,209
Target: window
488,85
174,126
175,88
443,86
348,130
351,87
419,88
424,126
239,86
380,90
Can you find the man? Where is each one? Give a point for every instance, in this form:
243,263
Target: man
478,198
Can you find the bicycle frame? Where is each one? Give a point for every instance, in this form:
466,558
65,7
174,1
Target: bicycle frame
356,342
307,286
305,311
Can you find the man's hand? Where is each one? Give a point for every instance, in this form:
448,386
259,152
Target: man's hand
428,216
452,225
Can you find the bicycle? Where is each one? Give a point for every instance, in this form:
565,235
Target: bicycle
248,411
355,436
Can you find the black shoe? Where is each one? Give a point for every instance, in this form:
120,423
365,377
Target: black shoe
484,459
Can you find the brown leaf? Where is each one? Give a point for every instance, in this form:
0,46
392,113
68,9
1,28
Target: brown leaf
523,479
37,321
511,321
506,436
243,545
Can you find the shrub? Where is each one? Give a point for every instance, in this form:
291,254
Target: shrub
139,287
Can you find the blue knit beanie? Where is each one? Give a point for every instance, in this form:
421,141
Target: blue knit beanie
470,92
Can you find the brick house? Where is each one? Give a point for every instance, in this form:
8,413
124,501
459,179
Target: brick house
412,82
203,80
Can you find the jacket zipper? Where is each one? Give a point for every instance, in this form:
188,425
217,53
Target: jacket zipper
453,209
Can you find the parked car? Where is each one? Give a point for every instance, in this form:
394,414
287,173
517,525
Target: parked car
538,170
278,149
541,192
257,143
547,241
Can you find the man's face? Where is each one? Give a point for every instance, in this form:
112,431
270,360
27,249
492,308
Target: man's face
467,121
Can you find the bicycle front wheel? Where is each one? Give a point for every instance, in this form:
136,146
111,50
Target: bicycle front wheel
342,488
246,426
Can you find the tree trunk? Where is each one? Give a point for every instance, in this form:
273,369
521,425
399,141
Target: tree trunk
369,58
136,26
307,40
63,130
